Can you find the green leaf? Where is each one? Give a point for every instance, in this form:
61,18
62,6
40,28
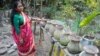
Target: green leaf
89,18
75,27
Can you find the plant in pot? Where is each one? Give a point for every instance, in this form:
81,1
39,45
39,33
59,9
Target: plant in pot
85,22
87,40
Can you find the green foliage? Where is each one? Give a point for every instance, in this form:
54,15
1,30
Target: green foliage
48,11
75,26
91,4
68,10
64,10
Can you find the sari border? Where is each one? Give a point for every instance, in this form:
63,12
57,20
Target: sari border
30,49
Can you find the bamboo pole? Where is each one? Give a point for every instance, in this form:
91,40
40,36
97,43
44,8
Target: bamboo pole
34,6
34,15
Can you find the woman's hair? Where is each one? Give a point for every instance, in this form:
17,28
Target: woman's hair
15,4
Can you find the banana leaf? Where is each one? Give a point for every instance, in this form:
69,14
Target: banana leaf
89,18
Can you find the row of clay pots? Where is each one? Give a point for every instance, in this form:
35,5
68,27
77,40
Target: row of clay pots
88,50
73,42
74,48
57,30
65,40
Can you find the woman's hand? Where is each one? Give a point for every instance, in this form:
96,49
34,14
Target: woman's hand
21,40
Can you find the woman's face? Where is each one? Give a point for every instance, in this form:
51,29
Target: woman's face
20,7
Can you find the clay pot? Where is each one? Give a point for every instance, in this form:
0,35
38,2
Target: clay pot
74,46
47,26
52,29
64,40
86,40
89,50
53,26
58,32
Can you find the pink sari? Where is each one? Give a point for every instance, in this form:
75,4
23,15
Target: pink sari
28,46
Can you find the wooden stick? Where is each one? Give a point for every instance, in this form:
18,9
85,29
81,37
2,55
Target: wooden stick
34,27
37,18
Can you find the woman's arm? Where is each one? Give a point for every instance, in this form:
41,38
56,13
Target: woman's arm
16,24
37,19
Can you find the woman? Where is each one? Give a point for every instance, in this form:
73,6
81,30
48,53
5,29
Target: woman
21,31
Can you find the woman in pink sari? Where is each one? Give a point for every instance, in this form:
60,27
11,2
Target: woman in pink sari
21,31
